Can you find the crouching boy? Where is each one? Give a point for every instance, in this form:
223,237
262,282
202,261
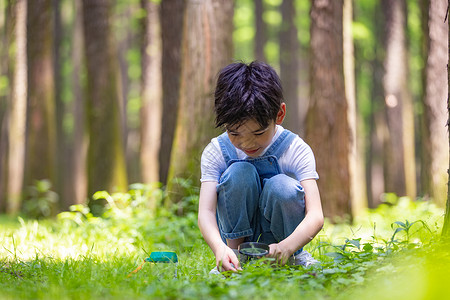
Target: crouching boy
258,179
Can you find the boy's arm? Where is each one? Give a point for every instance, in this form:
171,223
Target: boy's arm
207,223
307,229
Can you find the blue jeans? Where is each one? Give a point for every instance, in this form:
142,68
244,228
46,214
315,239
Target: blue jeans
259,209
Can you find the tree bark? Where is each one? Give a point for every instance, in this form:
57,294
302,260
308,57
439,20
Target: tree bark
207,47
127,39
377,120
435,153
327,127
446,227
78,149
356,153
4,24
106,161
151,92
41,122
14,142
289,65
172,14
399,168
61,146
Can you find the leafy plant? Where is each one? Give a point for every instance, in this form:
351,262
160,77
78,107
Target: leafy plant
40,201
406,228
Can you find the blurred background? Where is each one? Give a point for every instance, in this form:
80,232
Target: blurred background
98,94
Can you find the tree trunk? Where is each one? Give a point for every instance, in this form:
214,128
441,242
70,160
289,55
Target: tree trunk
207,45
127,40
3,161
78,153
303,64
41,122
327,127
151,92
106,161
377,120
261,32
446,227
303,91
356,153
289,62
5,22
14,142
61,145
172,14
435,153
399,159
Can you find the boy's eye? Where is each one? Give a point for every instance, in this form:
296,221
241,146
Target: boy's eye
233,133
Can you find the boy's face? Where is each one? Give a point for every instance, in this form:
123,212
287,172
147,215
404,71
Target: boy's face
251,138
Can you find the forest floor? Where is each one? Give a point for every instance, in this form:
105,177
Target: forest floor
393,252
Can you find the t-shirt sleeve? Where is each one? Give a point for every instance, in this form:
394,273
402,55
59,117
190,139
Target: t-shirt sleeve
301,162
212,162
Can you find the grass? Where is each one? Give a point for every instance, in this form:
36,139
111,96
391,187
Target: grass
79,256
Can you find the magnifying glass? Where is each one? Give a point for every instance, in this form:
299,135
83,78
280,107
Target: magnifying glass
254,249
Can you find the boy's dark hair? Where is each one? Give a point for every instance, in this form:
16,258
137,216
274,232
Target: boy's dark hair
245,92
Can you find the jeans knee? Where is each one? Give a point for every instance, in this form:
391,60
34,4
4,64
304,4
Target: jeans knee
240,174
284,188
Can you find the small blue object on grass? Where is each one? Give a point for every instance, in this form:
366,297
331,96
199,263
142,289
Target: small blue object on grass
164,257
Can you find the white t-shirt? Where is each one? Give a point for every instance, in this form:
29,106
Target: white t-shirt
297,161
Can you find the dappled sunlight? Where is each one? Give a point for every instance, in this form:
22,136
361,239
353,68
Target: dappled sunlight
42,240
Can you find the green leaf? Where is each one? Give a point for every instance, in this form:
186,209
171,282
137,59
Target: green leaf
401,224
367,247
355,242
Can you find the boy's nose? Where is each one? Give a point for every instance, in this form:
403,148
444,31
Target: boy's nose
247,142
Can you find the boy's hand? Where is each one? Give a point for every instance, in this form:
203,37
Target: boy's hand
226,260
280,253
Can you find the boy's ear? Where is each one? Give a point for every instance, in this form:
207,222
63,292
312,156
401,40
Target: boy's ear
281,114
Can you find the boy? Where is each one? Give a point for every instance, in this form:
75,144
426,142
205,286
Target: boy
258,179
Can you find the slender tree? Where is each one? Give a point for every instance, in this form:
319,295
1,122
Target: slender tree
303,22
16,114
327,127
4,24
41,122
261,31
106,162
356,153
3,160
399,168
207,45
128,40
289,64
78,148
172,18
151,91
446,227
435,153
61,145
377,121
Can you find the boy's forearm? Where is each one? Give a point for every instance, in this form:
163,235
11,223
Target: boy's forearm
207,221
303,234
208,227
311,224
